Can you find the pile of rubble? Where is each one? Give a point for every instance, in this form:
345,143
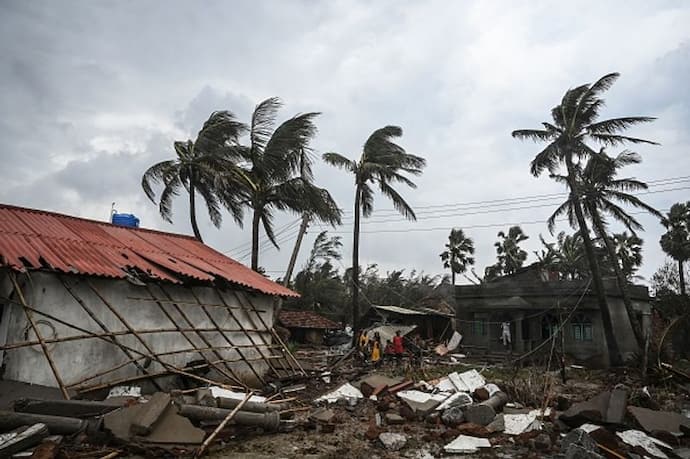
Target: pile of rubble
180,423
463,413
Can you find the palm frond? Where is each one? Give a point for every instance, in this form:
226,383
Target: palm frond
399,202
212,202
547,159
537,135
366,199
613,125
156,174
263,120
615,139
221,129
286,152
171,190
339,161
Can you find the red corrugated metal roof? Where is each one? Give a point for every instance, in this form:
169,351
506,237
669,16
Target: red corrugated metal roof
36,239
305,319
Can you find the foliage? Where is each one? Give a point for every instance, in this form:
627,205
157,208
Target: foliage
628,252
665,285
200,166
383,163
276,173
676,241
457,255
510,257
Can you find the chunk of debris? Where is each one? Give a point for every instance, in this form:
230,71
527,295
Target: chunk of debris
57,425
22,438
322,415
217,392
515,424
457,399
484,392
485,412
374,381
468,381
577,444
453,417
497,425
345,392
393,441
169,428
394,419
644,441
68,408
421,403
592,410
151,411
618,401
659,421
125,391
466,444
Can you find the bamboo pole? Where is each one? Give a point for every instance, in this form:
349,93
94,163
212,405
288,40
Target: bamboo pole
189,340
246,331
44,347
189,303
226,338
222,425
241,298
103,327
171,368
232,376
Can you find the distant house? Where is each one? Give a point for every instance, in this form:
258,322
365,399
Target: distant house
306,326
431,324
533,304
86,304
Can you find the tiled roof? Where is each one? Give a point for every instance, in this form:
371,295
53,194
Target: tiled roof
306,319
35,239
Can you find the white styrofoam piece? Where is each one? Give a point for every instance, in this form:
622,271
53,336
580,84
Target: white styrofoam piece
346,391
472,380
515,424
219,392
641,439
588,428
420,397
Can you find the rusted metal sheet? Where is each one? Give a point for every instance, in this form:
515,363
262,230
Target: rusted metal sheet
35,239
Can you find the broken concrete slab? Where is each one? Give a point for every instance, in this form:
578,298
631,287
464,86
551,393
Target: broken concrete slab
324,415
466,444
592,410
618,401
393,441
151,411
468,381
170,428
394,419
421,403
644,441
457,399
516,424
370,383
345,392
578,444
22,438
659,421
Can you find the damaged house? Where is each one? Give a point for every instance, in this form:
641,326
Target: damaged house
85,305
533,304
306,326
429,323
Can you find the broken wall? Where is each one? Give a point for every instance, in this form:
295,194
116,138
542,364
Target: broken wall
79,359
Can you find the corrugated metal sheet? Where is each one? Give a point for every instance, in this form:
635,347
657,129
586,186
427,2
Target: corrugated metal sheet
35,239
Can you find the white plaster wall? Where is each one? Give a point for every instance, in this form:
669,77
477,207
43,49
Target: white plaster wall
76,360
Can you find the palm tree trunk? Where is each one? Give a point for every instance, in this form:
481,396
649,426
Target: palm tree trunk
612,344
295,251
355,267
681,276
256,220
452,277
192,211
620,279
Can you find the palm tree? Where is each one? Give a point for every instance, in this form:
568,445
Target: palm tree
457,255
676,241
276,173
510,256
382,163
601,193
628,248
575,122
200,166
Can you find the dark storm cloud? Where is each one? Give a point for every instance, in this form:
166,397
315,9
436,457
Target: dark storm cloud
92,93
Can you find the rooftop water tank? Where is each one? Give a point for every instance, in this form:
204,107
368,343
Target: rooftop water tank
128,220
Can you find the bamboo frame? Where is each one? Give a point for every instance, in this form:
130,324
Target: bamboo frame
255,335
225,337
188,303
222,425
44,347
179,310
246,331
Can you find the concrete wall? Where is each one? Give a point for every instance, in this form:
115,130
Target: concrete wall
78,359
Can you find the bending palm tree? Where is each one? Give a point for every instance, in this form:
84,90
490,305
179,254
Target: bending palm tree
457,255
601,191
276,173
199,167
382,163
575,121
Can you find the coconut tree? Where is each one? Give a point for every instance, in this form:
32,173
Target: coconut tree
382,163
676,241
276,173
510,256
602,192
575,122
628,248
199,167
458,254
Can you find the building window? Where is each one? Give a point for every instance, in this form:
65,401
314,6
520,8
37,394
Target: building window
582,328
479,326
549,326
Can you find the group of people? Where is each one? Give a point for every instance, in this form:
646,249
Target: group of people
371,348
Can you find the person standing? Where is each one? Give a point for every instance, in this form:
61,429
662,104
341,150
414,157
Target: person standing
505,333
376,353
398,347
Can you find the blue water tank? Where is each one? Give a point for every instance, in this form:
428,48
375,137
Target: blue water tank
127,220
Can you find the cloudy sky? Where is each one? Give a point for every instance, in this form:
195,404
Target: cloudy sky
93,92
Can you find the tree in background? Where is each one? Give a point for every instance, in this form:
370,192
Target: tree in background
676,241
575,121
277,175
628,252
200,167
510,257
458,254
383,163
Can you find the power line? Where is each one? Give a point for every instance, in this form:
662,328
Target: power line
264,238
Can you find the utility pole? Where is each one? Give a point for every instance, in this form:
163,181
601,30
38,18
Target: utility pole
295,251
